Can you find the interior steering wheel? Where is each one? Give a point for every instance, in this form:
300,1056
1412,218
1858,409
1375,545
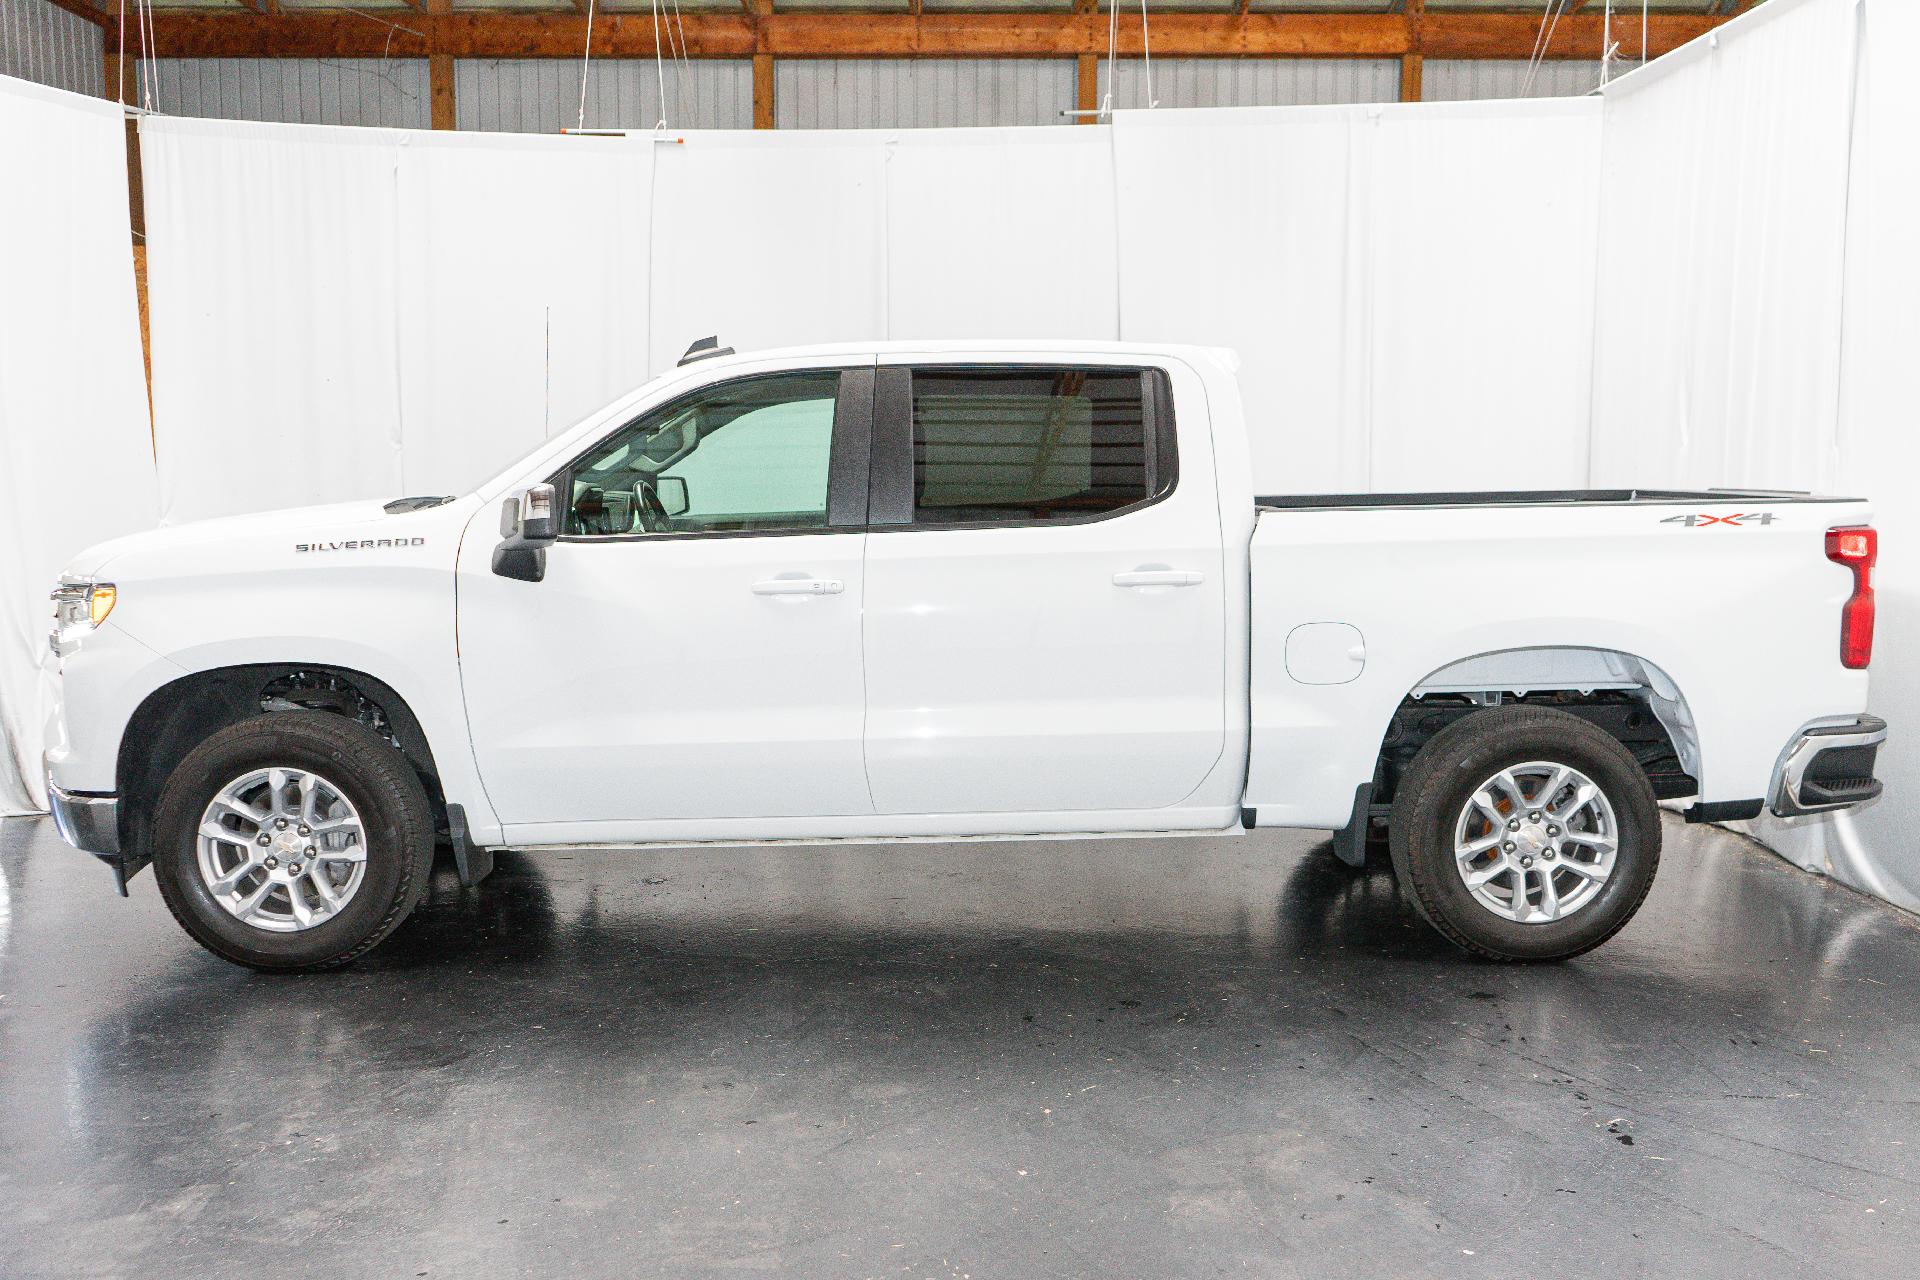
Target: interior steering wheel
650,511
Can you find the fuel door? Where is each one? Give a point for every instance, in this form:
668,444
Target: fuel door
1325,653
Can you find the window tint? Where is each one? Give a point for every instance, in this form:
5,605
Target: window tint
1029,444
746,455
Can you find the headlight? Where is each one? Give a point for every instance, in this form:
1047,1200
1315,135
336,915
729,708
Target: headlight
79,607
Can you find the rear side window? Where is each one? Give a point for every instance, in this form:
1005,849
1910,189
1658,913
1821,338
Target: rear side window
1037,444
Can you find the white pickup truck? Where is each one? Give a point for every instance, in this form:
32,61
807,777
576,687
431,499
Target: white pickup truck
947,591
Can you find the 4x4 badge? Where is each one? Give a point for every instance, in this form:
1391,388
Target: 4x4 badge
1692,522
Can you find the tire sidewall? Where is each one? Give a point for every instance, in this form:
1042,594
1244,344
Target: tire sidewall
231,754
1429,856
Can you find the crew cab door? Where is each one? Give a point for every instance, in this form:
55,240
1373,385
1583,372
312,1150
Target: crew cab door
693,651
1045,579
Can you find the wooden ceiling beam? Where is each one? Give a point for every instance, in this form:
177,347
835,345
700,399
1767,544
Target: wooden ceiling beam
317,34
92,12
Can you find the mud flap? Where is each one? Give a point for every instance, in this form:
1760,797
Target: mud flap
1350,841
473,864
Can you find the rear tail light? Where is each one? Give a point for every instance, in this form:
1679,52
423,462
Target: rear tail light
1857,549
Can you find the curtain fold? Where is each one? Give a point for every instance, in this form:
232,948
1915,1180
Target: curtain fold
76,456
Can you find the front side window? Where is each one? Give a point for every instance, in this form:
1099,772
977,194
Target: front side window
750,455
1027,445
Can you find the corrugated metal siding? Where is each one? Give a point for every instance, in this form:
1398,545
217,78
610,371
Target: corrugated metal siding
1456,80
900,93
390,92
1253,82
542,95
40,42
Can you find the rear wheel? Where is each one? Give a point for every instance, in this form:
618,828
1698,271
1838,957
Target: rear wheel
295,840
1525,834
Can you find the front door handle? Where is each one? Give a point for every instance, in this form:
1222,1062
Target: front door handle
799,587
1159,578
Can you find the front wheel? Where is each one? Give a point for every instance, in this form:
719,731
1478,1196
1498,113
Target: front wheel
1525,833
296,840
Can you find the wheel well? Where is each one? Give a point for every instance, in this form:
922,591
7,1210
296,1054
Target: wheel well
177,717
1627,697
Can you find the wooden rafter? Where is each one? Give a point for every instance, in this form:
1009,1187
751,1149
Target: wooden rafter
96,14
313,33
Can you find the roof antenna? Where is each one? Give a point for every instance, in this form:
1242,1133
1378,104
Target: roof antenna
704,349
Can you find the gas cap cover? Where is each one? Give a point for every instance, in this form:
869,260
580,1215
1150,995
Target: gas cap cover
1325,653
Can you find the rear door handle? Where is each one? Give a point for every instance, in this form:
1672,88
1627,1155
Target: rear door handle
1159,578
799,587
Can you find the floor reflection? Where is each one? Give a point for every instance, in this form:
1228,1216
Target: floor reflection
741,1055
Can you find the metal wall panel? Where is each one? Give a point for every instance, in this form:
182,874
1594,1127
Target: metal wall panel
896,93
542,95
49,45
1456,80
1252,82
390,92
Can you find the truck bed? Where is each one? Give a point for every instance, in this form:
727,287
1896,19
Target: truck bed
1723,602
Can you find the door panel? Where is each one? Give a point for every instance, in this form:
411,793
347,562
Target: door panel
1073,662
694,650
646,680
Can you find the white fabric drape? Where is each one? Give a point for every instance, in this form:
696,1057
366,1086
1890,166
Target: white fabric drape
1756,324
272,304
524,294
1401,282
76,459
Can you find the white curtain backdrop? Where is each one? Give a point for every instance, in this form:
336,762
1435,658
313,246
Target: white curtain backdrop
76,459
1400,281
1756,323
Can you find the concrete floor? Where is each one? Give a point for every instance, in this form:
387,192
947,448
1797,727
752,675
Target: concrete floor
1128,1059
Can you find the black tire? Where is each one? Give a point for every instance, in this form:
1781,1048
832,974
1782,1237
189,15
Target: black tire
1440,782
396,816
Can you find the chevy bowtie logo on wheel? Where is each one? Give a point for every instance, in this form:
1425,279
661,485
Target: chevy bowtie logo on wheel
1696,522
362,544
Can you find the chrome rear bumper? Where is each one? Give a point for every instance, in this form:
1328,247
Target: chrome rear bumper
1829,768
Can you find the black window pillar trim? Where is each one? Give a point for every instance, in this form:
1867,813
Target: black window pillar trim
890,489
849,465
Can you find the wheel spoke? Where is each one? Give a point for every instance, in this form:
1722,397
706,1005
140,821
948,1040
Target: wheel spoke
1483,799
251,903
323,888
1477,878
1474,848
256,816
297,903
231,880
1582,796
1549,896
1585,870
277,789
1520,907
1511,785
352,853
1559,779
309,795
1591,839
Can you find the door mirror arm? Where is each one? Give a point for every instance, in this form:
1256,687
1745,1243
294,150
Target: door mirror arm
529,524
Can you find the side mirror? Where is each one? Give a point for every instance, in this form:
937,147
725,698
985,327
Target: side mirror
672,492
529,523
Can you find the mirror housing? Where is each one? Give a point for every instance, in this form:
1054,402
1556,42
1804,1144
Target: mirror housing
672,492
529,524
